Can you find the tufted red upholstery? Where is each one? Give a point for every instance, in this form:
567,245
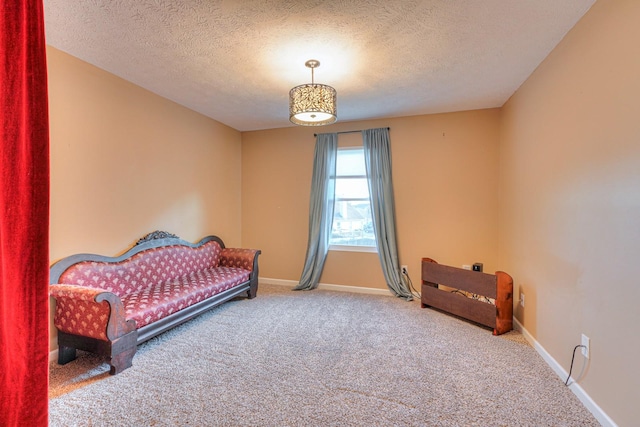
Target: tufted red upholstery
144,269
157,301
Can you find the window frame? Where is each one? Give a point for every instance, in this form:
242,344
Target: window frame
336,199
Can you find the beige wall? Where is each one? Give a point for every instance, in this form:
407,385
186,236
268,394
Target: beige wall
445,172
125,162
570,202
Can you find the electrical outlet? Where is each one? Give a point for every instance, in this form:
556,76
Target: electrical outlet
521,299
404,269
466,266
586,342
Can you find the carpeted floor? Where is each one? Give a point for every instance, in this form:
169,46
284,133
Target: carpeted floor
319,358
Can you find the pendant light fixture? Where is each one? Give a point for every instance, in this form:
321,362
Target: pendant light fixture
312,104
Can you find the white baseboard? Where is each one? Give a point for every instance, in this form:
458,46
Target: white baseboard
582,395
327,286
53,355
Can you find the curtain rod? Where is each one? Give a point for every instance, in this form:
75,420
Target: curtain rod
348,131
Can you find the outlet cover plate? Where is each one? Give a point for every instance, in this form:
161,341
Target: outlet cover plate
586,343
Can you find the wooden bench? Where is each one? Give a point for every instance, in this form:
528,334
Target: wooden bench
483,298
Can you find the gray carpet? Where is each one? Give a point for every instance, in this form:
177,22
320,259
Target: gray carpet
319,358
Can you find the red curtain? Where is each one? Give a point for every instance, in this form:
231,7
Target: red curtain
24,215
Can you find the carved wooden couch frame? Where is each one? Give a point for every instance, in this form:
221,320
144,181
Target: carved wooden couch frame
117,337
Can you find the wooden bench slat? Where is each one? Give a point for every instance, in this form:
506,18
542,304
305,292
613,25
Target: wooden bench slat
475,282
474,310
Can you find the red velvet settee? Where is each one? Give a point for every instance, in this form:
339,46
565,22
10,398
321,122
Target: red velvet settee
109,305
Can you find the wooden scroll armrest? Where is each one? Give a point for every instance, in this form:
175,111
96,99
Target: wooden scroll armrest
81,310
243,258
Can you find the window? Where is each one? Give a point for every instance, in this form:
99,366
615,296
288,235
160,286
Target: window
352,226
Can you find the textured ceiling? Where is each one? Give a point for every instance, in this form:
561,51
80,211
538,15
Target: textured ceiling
235,60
